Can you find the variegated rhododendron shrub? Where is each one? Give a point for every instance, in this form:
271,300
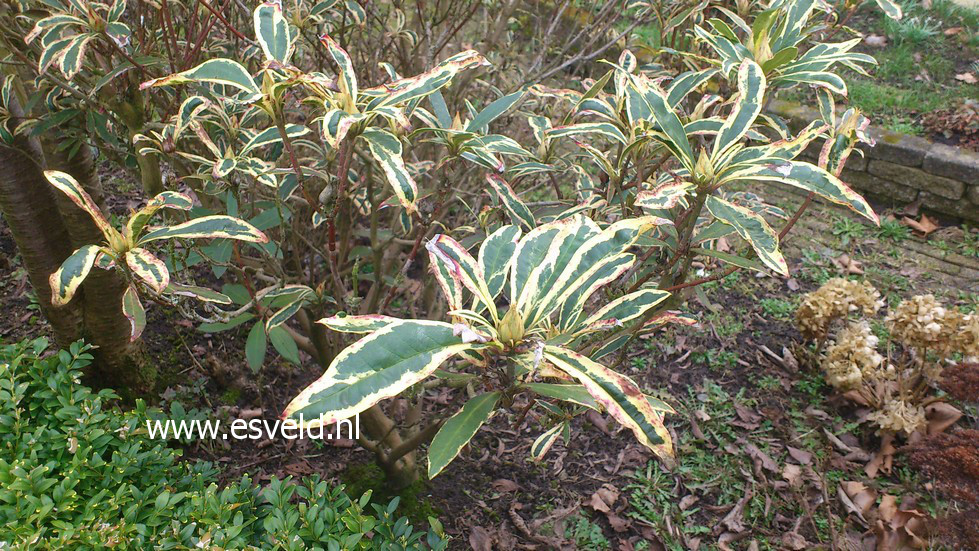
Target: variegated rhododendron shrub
352,187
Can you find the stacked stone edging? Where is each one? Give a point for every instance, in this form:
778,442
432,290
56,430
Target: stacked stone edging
903,168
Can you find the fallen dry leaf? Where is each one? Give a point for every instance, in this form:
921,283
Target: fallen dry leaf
801,457
967,78
793,474
941,416
924,226
951,31
480,539
734,520
848,265
794,541
503,485
603,499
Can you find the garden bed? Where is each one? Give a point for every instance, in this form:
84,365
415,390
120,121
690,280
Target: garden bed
746,418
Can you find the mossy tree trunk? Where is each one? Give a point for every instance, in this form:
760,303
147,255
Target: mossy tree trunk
119,362
29,208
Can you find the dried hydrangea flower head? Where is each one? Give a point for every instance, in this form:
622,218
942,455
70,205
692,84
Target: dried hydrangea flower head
837,298
966,336
853,357
924,323
898,415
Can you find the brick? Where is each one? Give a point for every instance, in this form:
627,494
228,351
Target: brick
944,205
879,188
898,148
952,162
915,177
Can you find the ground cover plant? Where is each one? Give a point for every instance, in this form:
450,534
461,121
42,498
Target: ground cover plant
447,218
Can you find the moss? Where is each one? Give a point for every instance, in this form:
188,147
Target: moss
414,504
231,396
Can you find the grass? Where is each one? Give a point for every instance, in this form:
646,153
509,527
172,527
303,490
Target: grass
916,70
777,308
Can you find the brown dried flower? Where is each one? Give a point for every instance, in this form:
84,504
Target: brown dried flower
897,415
837,298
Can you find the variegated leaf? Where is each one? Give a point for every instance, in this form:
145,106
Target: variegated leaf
751,95
358,324
215,71
378,366
753,229
495,255
165,200
70,187
348,79
386,149
147,267
407,89
545,441
272,32
67,278
133,310
511,202
200,293
209,227
810,177
459,429
624,309
665,196
620,396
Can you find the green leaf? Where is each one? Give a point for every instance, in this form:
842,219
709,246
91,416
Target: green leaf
209,227
494,110
575,394
284,345
729,258
255,347
459,429
378,366
66,279
753,229
216,71
272,32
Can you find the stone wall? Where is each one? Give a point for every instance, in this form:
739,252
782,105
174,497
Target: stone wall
901,169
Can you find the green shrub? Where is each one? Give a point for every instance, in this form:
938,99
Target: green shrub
76,474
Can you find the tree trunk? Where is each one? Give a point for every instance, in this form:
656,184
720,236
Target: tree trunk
119,363
28,206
